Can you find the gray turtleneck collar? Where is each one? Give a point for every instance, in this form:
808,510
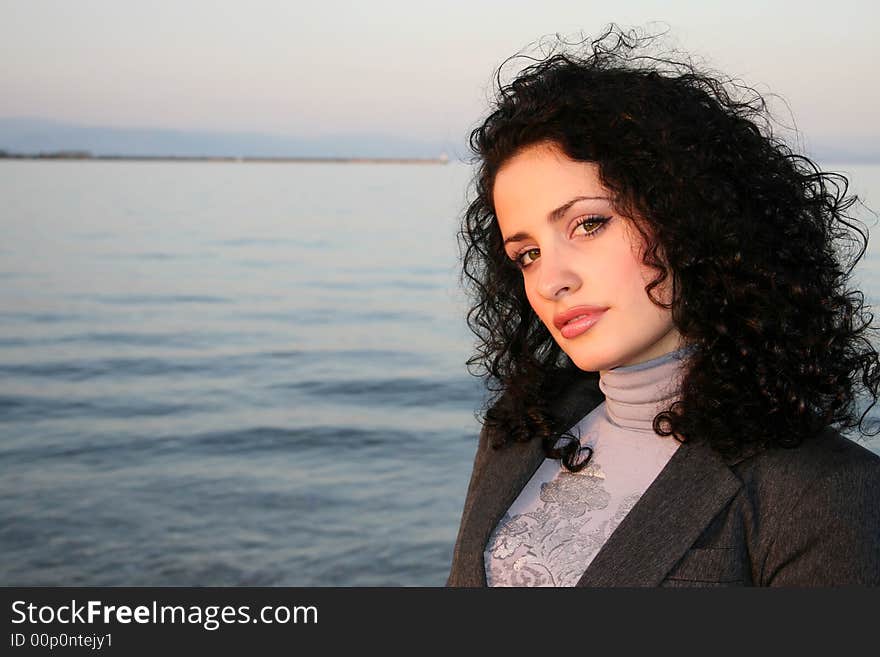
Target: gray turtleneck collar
636,393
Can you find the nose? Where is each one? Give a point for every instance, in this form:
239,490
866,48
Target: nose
557,278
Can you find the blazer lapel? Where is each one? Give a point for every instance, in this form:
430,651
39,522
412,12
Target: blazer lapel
508,471
504,476
691,489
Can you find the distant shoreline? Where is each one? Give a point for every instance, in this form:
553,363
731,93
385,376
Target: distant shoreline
75,155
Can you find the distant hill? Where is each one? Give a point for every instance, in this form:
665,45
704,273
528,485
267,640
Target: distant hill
848,150
27,135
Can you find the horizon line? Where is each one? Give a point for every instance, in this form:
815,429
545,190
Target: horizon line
85,155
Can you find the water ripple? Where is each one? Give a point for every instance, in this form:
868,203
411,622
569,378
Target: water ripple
19,408
391,391
154,299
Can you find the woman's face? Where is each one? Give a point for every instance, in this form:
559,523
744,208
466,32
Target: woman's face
575,250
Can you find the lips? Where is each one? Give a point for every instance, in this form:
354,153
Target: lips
589,312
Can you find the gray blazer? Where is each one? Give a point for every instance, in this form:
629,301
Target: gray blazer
804,516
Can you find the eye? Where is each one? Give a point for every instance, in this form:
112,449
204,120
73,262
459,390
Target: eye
525,258
592,224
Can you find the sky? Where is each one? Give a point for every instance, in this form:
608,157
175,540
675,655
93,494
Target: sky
417,70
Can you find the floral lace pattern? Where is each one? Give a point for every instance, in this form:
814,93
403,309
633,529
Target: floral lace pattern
553,544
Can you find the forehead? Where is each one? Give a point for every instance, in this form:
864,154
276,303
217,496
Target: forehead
542,177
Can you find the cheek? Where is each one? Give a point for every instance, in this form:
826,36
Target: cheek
632,277
625,280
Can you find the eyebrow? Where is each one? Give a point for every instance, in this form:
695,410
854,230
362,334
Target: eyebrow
555,215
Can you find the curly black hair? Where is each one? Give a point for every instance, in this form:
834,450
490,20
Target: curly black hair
752,233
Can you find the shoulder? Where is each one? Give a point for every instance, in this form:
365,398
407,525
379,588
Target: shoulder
825,457
816,509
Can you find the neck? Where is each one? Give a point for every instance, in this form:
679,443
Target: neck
634,394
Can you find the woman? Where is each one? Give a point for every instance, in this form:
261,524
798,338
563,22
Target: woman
662,309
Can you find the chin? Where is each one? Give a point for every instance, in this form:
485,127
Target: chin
591,362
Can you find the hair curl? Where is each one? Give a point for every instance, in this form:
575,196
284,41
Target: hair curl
749,230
